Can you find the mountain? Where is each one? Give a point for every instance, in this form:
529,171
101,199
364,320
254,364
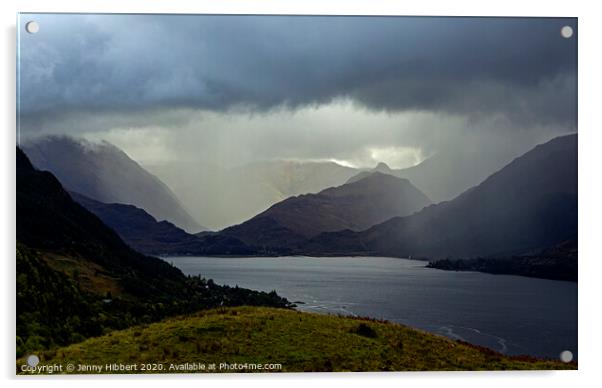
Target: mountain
233,195
140,230
529,205
355,206
76,278
445,175
103,172
145,234
381,168
48,219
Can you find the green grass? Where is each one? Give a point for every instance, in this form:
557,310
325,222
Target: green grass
298,341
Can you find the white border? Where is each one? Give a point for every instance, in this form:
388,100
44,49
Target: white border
590,196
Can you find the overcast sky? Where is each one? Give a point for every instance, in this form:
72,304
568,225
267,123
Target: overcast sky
359,90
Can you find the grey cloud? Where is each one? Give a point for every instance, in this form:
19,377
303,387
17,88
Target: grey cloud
80,65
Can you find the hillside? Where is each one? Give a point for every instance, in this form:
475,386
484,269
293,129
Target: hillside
48,219
529,205
298,341
354,206
105,173
76,278
140,230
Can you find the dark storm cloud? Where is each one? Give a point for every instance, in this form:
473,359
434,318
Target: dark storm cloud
521,69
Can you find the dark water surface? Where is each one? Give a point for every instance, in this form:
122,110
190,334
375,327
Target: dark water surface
511,314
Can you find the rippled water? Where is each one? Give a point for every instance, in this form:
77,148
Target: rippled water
511,314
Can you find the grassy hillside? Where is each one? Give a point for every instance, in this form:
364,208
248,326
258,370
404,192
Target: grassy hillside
298,341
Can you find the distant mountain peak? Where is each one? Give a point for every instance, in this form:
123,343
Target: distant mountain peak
382,167
375,178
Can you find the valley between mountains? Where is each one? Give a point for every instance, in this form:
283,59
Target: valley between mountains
517,214
92,240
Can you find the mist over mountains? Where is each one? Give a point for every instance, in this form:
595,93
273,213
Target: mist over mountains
101,171
529,205
524,208
214,197
319,207
353,206
448,173
220,197
248,123
356,206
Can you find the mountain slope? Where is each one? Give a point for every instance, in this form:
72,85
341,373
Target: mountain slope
103,172
529,205
145,234
48,219
66,254
140,230
354,206
446,175
224,203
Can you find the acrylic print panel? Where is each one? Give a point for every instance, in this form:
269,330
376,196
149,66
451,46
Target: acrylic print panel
204,193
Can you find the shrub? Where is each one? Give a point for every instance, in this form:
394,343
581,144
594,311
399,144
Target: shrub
365,330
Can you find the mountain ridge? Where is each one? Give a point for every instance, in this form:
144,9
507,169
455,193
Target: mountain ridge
445,175
528,204
140,230
354,206
104,172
